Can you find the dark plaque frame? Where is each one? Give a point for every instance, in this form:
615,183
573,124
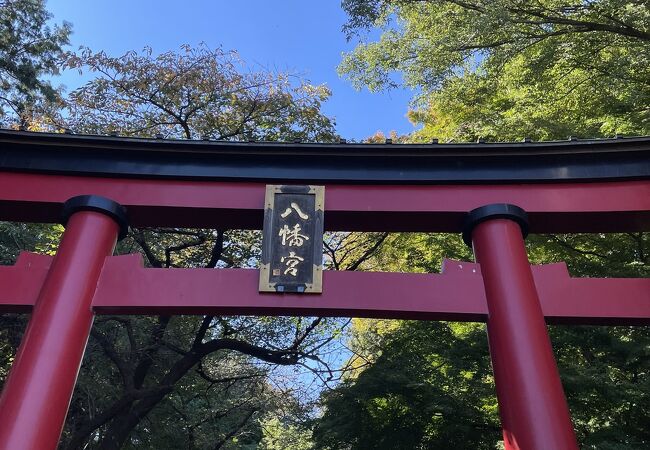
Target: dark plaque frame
298,211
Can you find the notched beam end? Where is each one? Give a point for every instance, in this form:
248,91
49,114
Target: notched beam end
21,283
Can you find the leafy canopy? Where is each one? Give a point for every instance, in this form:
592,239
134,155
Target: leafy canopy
29,50
194,94
507,69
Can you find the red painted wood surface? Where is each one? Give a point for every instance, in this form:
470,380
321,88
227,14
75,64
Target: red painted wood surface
39,387
561,207
22,282
533,409
126,287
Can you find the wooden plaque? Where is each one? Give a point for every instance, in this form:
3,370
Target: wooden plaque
292,243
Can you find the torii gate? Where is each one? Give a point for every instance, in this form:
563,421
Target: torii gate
492,193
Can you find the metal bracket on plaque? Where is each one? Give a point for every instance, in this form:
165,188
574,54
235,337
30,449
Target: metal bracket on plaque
292,239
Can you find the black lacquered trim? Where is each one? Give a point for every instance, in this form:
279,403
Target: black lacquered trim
327,163
494,211
99,204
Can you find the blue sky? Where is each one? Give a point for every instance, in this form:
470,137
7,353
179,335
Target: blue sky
298,36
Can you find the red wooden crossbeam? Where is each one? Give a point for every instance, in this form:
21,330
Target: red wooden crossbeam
22,282
126,287
552,208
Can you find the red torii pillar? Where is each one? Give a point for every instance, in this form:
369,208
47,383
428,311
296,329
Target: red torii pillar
37,393
533,408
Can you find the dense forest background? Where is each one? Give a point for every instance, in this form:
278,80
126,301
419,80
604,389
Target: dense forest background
496,70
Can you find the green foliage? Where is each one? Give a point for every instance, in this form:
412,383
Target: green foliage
284,436
506,106
507,69
595,254
412,384
430,388
29,50
217,403
605,375
429,385
429,41
15,237
196,93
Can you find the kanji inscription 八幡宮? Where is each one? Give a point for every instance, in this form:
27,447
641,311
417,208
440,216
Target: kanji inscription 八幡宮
292,239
